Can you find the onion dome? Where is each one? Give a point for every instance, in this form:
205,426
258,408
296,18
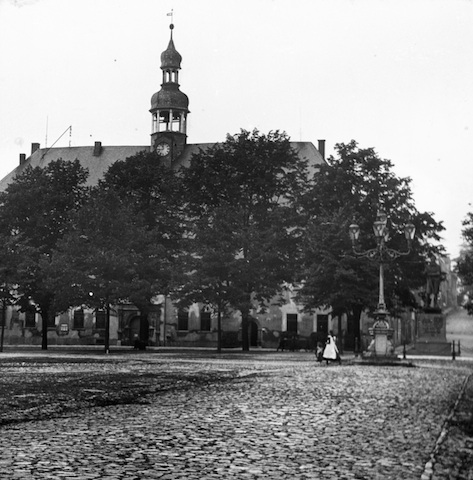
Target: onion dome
171,58
170,97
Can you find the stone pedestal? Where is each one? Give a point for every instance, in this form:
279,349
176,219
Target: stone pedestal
432,335
432,327
381,346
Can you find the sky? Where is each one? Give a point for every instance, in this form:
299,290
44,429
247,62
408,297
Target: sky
395,75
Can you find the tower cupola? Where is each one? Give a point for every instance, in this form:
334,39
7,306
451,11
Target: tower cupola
171,58
169,106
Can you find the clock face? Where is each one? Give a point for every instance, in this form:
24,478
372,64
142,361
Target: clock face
163,149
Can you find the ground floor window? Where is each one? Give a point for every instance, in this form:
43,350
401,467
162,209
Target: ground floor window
79,318
183,321
51,320
292,322
100,318
63,328
30,319
205,321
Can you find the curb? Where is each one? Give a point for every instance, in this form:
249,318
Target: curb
429,466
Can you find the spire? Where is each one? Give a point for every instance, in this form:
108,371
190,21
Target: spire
171,58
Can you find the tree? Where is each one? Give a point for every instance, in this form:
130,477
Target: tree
153,190
242,196
353,187
35,213
464,267
209,267
110,256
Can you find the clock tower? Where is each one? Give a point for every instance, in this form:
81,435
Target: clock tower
169,108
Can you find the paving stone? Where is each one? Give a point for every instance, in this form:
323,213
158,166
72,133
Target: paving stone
278,419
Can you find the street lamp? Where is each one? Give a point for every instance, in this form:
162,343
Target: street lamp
381,253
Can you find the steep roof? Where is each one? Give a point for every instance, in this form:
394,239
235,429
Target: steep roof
98,164
305,150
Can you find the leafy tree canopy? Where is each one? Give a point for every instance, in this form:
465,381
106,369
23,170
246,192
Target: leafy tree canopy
352,188
464,265
242,199
36,211
154,190
111,255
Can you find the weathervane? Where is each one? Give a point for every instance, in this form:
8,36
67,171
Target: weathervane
171,14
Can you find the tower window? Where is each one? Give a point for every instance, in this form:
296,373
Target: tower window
155,123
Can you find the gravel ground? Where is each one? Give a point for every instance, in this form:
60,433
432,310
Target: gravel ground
198,415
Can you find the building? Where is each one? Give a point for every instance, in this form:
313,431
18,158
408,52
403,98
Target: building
169,111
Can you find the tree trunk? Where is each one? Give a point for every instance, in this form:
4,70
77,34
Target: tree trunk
4,321
340,334
219,330
245,339
357,324
107,329
44,334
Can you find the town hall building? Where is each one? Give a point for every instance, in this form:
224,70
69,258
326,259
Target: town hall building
165,325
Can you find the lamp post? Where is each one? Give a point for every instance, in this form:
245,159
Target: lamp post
381,346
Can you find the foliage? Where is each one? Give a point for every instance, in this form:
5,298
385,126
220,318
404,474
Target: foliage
36,211
464,266
154,192
242,196
109,256
352,188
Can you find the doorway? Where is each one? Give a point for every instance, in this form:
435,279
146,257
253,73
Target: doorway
353,331
322,328
139,329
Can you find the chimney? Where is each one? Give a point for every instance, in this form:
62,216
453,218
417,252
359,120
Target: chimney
22,158
34,147
322,148
97,149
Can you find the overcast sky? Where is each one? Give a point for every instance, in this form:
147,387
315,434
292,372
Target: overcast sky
396,75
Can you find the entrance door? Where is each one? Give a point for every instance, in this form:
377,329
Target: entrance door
353,331
322,328
139,328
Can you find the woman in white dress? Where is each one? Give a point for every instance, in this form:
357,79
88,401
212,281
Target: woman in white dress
331,353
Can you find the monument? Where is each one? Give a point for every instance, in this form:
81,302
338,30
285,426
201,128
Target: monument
431,338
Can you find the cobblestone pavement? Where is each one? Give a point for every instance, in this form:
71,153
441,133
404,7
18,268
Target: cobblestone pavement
275,416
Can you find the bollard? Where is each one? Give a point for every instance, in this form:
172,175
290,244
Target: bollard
459,349
404,350
453,350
